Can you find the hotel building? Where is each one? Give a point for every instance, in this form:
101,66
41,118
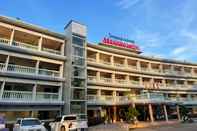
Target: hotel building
44,74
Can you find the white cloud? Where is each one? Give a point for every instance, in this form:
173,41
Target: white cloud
179,50
126,4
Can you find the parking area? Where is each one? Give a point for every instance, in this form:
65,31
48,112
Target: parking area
120,127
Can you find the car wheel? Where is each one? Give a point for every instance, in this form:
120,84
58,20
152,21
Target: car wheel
63,128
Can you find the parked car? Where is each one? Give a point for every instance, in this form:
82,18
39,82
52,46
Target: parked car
69,123
28,124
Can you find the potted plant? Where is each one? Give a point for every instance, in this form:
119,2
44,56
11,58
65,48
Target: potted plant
131,115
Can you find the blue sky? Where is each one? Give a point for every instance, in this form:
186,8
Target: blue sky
161,28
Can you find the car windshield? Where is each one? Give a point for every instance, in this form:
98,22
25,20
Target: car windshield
70,118
30,122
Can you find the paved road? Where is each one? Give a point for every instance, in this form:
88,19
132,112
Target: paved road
177,127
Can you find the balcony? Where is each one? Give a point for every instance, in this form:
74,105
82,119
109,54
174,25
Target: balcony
92,78
105,62
135,83
27,96
110,100
121,81
119,65
106,80
24,45
132,67
4,41
91,59
28,46
28,70
52,51
51,73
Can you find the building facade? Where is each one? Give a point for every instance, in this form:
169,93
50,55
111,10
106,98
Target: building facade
44,74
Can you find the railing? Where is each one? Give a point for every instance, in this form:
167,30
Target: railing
24,45
106,80
119,65
17,95
135,82
121,81
92,78
28,96
4,41
52,51
2,67
46,72
155,71
105,62
91,59
21,69
132,67
143,69
42,96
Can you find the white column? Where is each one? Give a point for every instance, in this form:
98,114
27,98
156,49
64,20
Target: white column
127,79
98,92
126,62
7,62
165,112
182,70
141,81
37,66
149,66
34,92
97,57
164,82
151,112
62,49
40,43
61,70
172,68
113,77
138,65
112,60
161,68
178,112
12,37
2,89
98,76
60,92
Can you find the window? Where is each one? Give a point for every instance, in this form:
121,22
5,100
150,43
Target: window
78,41
77,107
78,94
78,61
76,82
78,72
78,51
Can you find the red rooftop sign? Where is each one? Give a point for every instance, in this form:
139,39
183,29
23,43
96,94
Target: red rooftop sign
120,42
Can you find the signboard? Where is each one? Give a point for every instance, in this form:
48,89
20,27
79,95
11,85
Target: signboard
120,42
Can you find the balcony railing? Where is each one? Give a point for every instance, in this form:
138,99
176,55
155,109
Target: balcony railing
24,45
46,72
121,81
51,51
132,67
106,80
136,83
119,65
42,96
4,41
92,78
17,95
2,67
21,69
28,70
28,96
91,59
105,62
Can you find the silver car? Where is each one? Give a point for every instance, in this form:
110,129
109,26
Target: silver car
29,124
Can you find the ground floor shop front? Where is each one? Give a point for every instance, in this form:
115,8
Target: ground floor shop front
147,112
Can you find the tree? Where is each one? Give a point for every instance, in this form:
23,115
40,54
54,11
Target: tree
131,114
